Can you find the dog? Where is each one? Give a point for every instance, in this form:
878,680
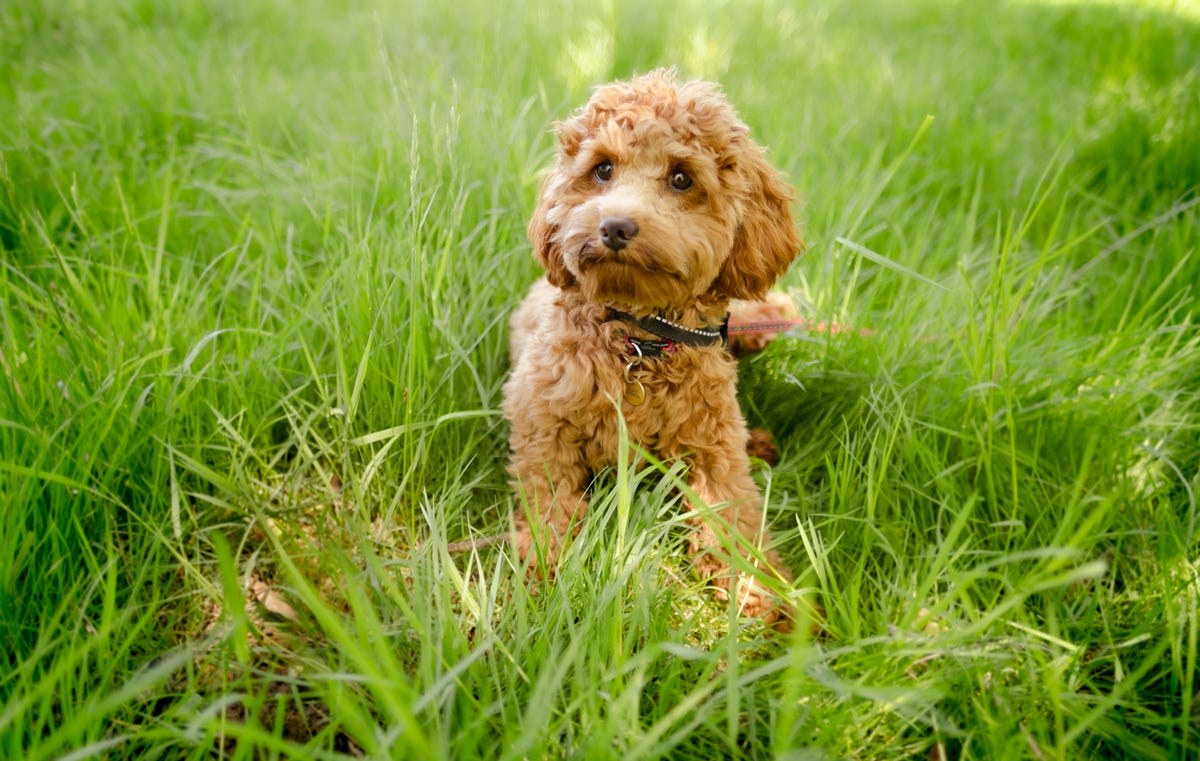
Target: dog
659,212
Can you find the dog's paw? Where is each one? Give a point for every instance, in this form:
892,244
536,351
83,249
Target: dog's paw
539,556
761,445
755,601
522,542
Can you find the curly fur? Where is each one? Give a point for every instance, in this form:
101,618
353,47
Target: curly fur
728,235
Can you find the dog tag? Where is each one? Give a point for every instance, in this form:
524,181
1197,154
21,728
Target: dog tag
635,392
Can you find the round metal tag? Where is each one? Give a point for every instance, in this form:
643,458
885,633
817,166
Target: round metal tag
635,392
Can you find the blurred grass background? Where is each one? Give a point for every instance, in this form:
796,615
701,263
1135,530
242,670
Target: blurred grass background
257,260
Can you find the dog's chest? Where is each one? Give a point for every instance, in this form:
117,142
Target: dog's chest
660,401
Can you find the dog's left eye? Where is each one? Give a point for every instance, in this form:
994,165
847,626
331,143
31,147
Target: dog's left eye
603,171
679,181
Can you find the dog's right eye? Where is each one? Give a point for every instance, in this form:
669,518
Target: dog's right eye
603,171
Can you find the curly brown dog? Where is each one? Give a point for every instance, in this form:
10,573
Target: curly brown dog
659,212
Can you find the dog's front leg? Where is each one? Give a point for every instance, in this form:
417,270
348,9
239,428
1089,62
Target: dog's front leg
731,522
549,476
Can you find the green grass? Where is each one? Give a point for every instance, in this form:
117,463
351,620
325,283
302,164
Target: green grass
256,261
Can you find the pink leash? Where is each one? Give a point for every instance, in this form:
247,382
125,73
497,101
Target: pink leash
779,326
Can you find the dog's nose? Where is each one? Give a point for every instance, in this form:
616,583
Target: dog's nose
616,232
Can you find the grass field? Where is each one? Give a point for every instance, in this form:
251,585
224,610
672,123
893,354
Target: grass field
256,260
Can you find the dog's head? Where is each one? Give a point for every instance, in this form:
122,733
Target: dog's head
660,197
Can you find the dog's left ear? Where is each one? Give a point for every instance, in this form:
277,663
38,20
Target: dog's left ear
766,242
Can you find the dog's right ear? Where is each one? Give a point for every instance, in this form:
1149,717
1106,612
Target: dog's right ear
542,236
569,134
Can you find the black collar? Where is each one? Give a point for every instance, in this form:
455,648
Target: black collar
673,332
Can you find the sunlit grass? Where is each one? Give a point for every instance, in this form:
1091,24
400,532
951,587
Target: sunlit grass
257,262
